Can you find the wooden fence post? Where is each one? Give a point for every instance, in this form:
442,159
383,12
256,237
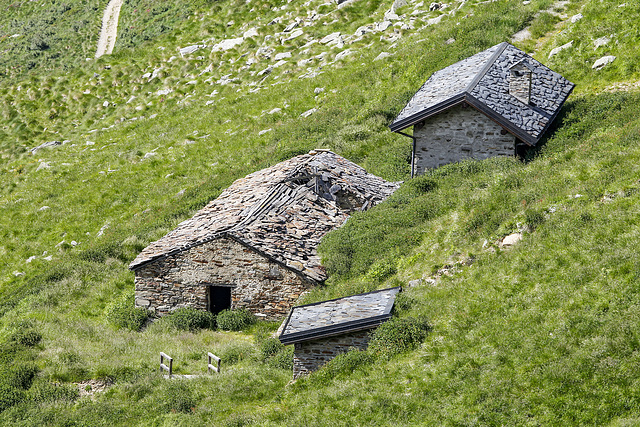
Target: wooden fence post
163,366
211,366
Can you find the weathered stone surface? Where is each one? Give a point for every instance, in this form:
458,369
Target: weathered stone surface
602,41
49,144
227,44
457,134
311,355
603,62
511,239
559,49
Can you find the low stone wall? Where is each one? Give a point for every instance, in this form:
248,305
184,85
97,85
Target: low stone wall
457,134
258,284
310,355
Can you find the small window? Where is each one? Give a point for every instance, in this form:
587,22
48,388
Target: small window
219,298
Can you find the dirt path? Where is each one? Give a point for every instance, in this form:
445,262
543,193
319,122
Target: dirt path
109,28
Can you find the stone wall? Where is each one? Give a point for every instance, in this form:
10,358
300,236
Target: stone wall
457,134
258,284
308,356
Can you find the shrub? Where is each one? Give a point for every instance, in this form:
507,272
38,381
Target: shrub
235,320
398,335
235,352
190,319
19,375
283,359
27,337
46,392
269,348
9,396
122,313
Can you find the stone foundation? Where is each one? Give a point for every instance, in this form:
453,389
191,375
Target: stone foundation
457,134
257,284
308,356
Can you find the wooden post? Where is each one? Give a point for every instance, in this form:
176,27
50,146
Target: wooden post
210,366
163,366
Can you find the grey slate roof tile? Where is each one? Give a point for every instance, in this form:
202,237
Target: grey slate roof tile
277,212
483,81
338,316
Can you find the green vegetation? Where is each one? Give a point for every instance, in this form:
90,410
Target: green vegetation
543,333
235,320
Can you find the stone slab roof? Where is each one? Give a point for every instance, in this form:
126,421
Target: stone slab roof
281,212
482,81
338,316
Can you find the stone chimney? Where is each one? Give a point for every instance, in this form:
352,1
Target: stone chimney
520,82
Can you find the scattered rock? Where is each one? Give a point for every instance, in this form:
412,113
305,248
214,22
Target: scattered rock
451,41
31,258
102,230
382,56
90,387
227,44
251,32
576,18
521,35
49,144
43,165
44,208
343,54
282,55
294,35
330,38
262,132
190,49
602,41
435,6
275,110
414,283
164,92
559,49
382,26
18,273
105,104
308,112
511,240
318,90
602,62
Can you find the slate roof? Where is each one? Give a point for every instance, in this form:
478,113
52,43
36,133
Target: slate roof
482,81
281,212
338,316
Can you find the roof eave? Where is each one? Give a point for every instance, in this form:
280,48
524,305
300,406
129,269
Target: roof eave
333,330
428,112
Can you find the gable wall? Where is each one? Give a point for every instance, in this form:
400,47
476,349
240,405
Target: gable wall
258,284
308,356
456,134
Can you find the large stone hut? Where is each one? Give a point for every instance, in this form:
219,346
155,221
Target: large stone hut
493,103
254,246
323,330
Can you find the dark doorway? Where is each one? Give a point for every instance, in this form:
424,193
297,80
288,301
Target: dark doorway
219,298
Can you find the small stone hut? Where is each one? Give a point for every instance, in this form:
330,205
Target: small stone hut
254,246
325,329
494,103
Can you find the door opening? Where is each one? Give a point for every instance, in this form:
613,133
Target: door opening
219,298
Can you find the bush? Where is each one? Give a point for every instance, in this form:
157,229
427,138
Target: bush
235,352
190,319
270,347
27,337
19,375
123,313
9,396
398,335
283,359
235,320
46,392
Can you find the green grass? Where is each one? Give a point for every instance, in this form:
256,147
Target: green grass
540,334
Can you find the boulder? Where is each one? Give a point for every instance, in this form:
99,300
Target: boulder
602,62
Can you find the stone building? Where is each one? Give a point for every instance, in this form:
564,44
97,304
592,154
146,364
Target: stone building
493,103
325,329
254,246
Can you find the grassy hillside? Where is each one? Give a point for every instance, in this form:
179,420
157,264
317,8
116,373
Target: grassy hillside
542,333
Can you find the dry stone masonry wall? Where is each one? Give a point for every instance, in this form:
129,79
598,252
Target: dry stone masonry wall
457,134
182,280
311,355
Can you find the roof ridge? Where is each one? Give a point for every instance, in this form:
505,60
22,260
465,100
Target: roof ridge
501,48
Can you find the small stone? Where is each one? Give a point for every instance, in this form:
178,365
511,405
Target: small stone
602,41
282,55
44,208
559,49
511,239
18,273
105,104
576,18
294,35
262,132
43,165
318,90
382,55
275,110
602,62
308,112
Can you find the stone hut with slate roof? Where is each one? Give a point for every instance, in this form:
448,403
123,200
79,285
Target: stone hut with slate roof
254,246
325,329
487,105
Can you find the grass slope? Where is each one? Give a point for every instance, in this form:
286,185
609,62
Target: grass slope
540,334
